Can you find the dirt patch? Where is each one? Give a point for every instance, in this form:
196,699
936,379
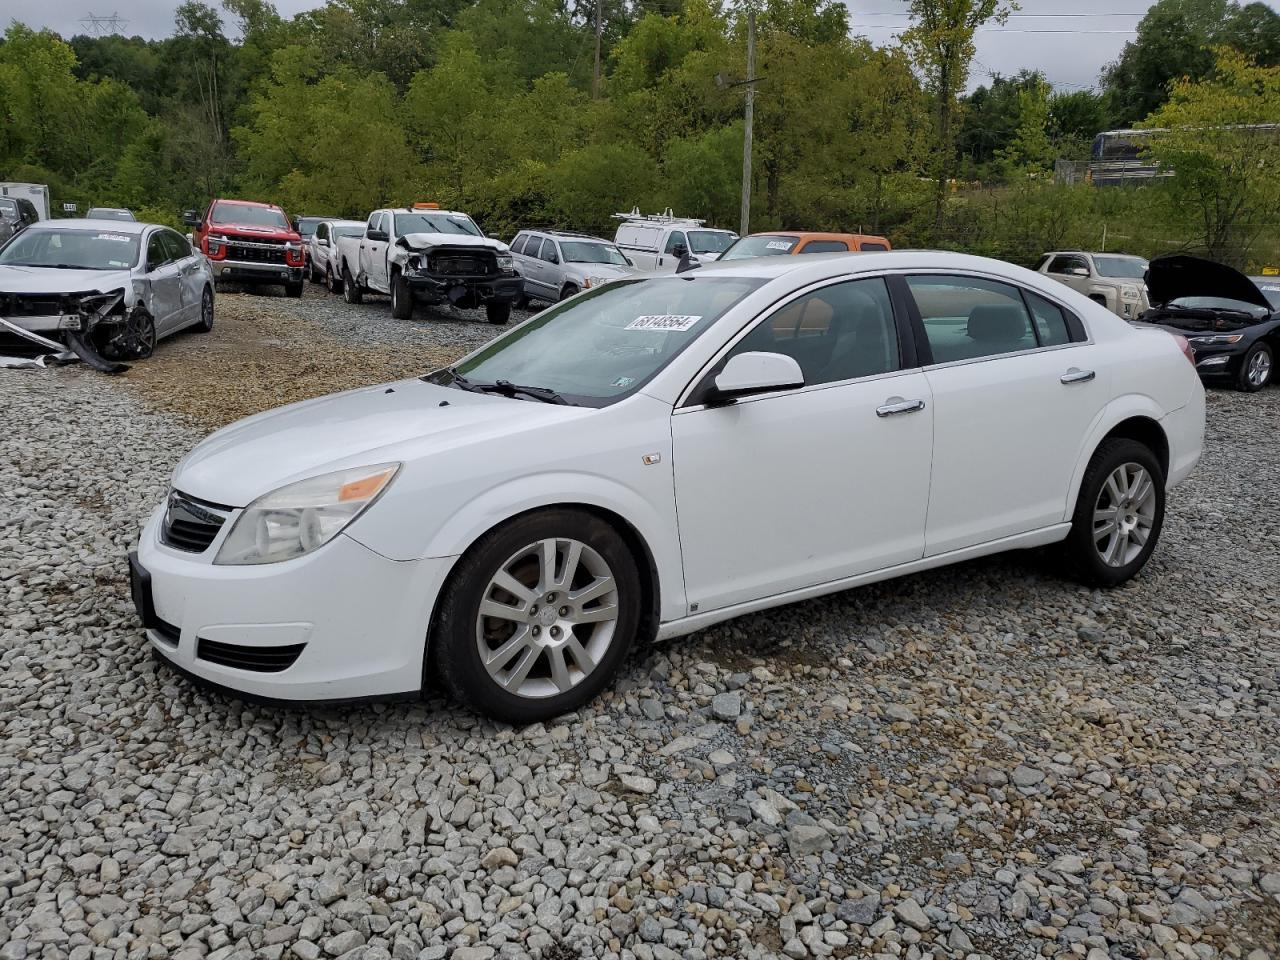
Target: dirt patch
261,354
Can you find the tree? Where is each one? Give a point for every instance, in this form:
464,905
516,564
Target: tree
940,41
990,118
1225,177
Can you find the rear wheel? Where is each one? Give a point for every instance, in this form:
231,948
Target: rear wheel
1256,369
293,289
401,298
1119,514
351,291
497,313
538,616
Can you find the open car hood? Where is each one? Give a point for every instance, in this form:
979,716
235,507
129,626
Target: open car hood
1179,275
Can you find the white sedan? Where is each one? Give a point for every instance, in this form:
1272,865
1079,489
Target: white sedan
657,455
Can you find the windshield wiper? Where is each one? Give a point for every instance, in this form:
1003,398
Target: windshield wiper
508,389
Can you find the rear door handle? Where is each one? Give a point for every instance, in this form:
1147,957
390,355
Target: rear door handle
1076,375
897,405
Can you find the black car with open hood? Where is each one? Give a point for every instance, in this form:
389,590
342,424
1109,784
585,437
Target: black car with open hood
1230,324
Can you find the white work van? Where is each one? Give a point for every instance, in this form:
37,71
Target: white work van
658,241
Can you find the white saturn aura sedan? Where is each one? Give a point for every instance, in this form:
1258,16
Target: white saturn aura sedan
656,455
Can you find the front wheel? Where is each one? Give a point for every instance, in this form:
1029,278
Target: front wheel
331,281
351,291
538,616
1256,368
497,313
401,298
569,291
293,289
1119,514
206,311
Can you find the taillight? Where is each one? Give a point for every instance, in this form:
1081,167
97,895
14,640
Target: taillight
1185,347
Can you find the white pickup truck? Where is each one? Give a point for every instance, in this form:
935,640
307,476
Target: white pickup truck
427,255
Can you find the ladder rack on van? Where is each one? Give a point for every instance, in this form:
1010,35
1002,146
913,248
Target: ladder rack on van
667,216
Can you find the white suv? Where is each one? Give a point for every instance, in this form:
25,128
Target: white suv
1114,280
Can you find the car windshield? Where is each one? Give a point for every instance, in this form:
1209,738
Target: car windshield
710,241
307,225
72,250
355,231
579,251
407,223
248,215
1218,303
1123,268
1270,290
763,246
108,213
608,342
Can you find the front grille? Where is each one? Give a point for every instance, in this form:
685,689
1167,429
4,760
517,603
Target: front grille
463,264
255,252
257,659
191,524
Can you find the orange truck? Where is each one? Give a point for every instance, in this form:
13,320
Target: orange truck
785,243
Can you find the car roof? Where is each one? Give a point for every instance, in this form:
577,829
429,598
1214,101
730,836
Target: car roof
819,266
345,223
84,223
568,235
249,203
1091,253
815,235
447,213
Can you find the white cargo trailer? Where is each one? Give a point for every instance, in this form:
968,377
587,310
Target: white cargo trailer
37,193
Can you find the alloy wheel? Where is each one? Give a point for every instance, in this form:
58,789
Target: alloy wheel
1124,514
206,309
547,618
1259,370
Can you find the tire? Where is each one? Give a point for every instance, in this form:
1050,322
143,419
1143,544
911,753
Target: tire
135,341
293,289
332,283
351,291
514,552
497,313
569,291
401,298
1256,369
1106,557
206,311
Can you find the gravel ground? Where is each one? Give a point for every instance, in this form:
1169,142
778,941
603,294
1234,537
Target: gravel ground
984,760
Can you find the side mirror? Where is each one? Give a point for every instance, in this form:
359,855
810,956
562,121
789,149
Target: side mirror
191,218
755,372
679,251
322,241
1078,271
379,235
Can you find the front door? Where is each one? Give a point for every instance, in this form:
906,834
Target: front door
373,253
165,279
1015,388
802,487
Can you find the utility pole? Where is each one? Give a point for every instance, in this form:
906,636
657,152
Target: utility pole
595,76
746,129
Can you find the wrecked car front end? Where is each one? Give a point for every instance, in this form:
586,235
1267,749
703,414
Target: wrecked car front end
98,326
464,274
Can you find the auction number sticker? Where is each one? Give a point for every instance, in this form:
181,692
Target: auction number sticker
663,321
117,237
779,245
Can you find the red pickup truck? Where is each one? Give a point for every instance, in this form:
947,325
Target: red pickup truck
249,242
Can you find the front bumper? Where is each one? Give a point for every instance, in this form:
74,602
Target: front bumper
50,323
246,271
484,289
340,623
1218,364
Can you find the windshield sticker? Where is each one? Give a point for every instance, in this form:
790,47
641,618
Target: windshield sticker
624,381
664,321
778,245
117,237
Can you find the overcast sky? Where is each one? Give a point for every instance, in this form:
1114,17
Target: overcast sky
1070,40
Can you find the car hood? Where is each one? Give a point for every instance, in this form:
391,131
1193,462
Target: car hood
53,280
610,271
1179,275
258,233
390,422
417,241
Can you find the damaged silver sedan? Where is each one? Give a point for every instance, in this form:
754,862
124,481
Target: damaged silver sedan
100,290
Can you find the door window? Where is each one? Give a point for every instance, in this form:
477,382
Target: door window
1052,328
517,245
157,254
1066,263
675,238
825,246
967,318
549,251
840,332
322,232
177,246
870,245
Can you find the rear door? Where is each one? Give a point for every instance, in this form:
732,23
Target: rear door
535,275
165,282
1016,386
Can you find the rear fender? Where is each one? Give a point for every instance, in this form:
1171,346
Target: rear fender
1113,414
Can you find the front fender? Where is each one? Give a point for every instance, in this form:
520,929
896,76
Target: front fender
471,520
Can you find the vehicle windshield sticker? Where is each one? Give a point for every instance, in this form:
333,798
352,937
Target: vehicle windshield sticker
624,381
779,245
663,321
117,237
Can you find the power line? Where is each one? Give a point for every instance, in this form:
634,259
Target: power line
1040,16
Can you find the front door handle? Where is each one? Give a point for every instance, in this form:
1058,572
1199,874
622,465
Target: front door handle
1076,375
897,405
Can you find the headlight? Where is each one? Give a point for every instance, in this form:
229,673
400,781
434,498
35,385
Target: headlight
1130,292
215,243
1217,340
506,264
303,516
596,282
